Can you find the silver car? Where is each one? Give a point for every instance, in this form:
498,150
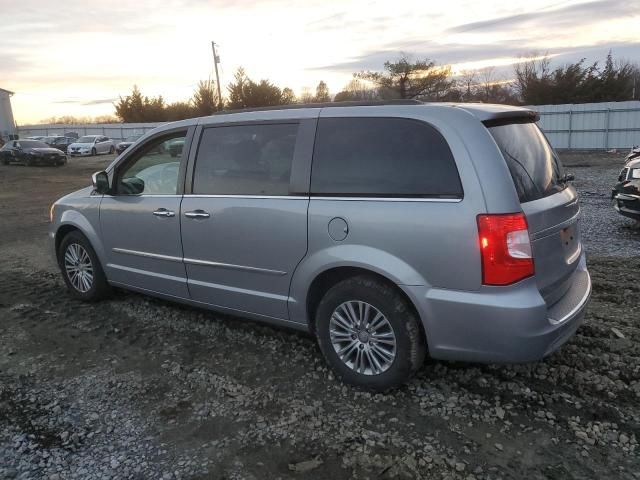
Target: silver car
389,231
91,145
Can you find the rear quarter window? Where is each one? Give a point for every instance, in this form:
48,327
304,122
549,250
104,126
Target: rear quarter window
382,157
535,168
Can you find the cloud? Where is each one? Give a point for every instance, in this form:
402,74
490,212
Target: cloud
573,15
100,101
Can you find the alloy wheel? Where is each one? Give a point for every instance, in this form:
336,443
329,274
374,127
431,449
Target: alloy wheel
78,267
362,337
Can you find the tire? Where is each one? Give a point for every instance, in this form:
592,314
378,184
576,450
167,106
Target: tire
71,248
5,161
29,162
111,150
93,152
398,324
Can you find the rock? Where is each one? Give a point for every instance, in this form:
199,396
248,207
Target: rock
500,412
617,332
499,446
305,466
460,467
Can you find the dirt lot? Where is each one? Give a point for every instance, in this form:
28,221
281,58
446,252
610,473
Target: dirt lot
139,388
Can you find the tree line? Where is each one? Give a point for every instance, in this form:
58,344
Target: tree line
534,82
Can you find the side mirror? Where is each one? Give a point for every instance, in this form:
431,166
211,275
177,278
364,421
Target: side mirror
131,186
100,182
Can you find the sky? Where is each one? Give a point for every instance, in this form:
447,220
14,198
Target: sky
76,57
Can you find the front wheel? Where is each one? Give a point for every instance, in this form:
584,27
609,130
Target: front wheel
93,152
369,334
81,268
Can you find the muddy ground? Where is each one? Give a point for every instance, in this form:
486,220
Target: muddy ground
140,388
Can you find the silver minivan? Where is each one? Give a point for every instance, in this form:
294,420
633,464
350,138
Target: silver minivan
388,230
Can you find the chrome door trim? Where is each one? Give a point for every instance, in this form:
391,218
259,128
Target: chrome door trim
194,261
206,263
387,199
147,254
263,197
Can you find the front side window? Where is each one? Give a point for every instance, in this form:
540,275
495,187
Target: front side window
382,157
245,160
154,170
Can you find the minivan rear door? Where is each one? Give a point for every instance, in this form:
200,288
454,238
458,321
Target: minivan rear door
549,202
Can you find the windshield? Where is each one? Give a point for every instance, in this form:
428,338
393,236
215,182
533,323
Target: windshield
535,168
132,138
32,144
86,140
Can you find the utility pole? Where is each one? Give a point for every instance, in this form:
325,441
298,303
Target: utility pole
216,60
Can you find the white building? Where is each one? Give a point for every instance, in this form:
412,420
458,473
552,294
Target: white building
7,124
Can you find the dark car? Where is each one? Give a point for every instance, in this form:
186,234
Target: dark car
61,143
626,193
31,152
126,143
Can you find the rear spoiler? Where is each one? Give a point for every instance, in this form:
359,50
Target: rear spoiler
509,117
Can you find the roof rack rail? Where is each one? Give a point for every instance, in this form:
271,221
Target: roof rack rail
295,106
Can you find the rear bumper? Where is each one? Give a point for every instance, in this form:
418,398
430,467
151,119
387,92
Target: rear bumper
501,324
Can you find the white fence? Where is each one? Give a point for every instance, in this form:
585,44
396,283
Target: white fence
115,131
587,126
591,126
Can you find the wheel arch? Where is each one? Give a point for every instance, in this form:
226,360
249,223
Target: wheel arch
72,220
331,276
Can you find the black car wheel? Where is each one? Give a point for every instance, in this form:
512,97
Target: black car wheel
369,334
93,152
111,150
29,162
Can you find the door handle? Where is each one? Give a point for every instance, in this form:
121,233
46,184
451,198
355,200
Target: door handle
163,212
197,214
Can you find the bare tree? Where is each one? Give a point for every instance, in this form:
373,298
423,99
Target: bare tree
408,79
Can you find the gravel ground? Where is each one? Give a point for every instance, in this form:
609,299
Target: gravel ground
139,388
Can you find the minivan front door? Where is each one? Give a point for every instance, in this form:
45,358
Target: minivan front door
243,232
141,221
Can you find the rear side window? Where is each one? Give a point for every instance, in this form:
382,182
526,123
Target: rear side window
535,168
245,160
383,157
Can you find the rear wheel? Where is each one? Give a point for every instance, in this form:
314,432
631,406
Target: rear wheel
81,268
111,150
369,334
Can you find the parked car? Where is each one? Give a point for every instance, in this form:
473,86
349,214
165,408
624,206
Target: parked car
91,145
37,137
31,152
61,143
626,193
353,222
130,140
633,153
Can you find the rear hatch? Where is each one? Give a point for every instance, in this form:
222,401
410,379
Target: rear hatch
549,202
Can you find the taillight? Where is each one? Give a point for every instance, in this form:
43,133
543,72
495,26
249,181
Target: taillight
505,248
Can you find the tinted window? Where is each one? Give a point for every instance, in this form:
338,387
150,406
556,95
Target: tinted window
245,160
382,157
535,168
156,170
